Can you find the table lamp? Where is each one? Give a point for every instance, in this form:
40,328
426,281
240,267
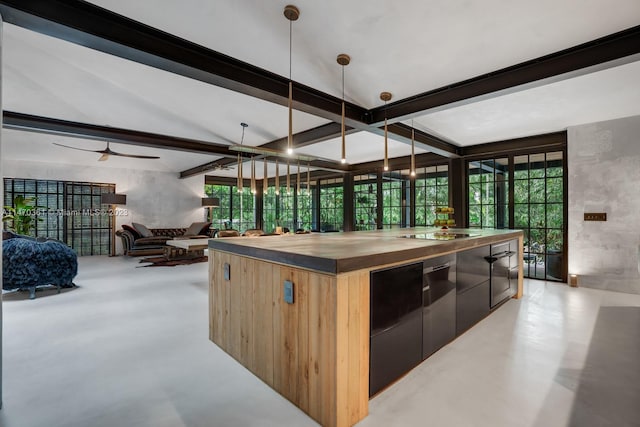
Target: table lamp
209,203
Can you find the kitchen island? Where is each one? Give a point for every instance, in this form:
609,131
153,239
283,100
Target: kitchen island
295,309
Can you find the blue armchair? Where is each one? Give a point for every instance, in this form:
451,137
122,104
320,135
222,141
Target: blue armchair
28,264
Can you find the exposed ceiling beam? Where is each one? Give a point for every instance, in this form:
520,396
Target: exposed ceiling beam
27,122
546,141
207,167
397,163
310,137
402,133
612,50
325,165
100,29
301,139
97,28
89,25
313,175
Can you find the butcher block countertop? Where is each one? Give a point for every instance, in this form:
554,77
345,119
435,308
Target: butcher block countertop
337,253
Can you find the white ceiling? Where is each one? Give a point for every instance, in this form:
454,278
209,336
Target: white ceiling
405,48
53,78
38,147
604,95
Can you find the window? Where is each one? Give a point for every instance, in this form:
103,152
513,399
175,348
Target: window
488,193
538,206
539,211
331,205
236,210
432,191
269,210
286,205
305,207
68,211
395,193
365,203
280,210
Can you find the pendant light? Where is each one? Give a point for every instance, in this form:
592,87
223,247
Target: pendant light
308,179
239,178
277,179
240,183
385,96
343,59
298,179
254,190
265,179
288,179
292,14
413,150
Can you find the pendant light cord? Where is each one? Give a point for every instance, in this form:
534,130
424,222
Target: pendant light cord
343,83
290,100
239,184
344,149
386,147
413,154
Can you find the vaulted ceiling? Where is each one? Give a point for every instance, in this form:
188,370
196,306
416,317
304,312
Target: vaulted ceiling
176,79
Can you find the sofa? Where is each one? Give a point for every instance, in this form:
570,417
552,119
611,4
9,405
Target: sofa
138,240
29,263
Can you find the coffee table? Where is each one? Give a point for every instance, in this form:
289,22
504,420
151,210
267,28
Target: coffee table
185,248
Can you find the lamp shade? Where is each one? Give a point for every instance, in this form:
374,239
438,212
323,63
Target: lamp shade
113,199
210,201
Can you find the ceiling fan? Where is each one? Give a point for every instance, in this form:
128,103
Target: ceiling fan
108,152
218,166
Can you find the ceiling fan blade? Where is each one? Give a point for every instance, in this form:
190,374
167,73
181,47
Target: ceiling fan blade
135,156
218,166
108,152
76,148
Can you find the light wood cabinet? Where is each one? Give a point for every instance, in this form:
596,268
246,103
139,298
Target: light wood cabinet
315,352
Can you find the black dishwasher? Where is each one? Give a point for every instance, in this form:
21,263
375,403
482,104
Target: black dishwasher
396,324
438,303
473,293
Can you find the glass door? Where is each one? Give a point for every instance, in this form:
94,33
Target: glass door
536,204
539,209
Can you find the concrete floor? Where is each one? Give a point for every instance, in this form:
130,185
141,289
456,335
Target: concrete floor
129,347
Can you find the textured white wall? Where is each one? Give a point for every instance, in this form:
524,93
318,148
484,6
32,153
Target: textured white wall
604,176
155,199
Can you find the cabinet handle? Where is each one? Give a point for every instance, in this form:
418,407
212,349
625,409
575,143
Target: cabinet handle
436,268
493,258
